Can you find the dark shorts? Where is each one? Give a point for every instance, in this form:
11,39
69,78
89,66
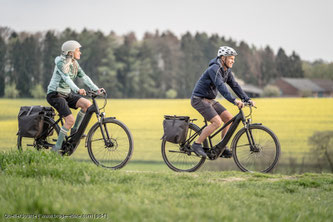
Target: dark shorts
208,108
62,103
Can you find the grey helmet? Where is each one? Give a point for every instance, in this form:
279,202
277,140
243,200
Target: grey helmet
226,51
70,46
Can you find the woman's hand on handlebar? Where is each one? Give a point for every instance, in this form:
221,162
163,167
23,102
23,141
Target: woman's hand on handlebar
82,92
101,91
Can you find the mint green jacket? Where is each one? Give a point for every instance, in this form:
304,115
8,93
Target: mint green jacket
65,71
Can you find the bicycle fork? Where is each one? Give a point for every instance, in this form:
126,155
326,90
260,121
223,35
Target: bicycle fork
249,135
104,131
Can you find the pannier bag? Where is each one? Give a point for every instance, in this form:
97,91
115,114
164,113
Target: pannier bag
31,120
175,128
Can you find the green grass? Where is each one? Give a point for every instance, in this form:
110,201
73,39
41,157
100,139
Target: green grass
43,183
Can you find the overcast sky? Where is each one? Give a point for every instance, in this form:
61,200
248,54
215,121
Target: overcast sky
304,26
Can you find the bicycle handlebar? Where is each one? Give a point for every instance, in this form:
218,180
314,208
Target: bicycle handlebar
249,104
94,94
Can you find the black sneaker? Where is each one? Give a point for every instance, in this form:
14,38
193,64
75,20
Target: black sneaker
227,153
197,148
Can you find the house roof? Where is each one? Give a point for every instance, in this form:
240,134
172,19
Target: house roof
251,88
303,84
325,84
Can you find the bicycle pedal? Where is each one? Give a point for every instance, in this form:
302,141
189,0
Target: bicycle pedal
47,145
226,156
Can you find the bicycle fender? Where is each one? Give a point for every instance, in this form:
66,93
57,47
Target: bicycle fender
255,124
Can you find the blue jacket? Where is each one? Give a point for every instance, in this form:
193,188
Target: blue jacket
215,78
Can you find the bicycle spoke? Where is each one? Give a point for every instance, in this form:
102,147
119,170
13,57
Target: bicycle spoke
264,156
179,159
115,151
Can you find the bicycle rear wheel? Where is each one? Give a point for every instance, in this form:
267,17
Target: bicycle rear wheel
44,141
181,158
116,151
264,155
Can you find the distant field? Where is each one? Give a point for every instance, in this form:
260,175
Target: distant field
292,119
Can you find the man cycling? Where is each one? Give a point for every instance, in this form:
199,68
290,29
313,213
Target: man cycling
214,79
59,91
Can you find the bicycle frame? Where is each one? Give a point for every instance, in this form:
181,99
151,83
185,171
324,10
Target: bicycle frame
234,124
75,139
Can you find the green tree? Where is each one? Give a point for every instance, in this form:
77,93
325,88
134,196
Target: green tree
11,91
147,82
268,66
127,73
3,49
29,55
282,64
318,69
192,65
94,50
295,63
51,49
15,59
37,91
108,70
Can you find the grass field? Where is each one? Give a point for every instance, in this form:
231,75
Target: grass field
293,120
44,185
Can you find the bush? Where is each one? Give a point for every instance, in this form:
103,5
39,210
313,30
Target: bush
306,93
171,94
322,146
38,92
11,91
271,91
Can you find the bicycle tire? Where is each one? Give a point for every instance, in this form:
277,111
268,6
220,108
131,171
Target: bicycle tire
265,159
25,143
119,154
190,161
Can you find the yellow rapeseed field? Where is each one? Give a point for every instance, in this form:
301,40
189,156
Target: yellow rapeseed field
293,120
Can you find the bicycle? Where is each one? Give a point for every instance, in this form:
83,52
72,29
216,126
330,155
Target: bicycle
255,148
109,141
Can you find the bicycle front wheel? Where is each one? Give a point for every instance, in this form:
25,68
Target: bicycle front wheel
263,156
116,150
180,157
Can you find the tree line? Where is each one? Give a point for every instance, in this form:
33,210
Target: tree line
160,65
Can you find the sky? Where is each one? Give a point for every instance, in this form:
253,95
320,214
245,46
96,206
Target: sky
303,26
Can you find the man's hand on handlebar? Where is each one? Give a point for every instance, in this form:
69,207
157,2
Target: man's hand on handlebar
82,92
252,103
239,103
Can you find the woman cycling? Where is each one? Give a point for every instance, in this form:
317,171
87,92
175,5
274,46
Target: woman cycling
61,87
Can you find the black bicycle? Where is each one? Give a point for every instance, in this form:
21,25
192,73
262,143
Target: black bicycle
109,141
255,148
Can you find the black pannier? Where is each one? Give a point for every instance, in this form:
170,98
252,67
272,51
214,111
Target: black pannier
175,128
31,120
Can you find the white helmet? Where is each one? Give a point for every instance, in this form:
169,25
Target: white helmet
226,51
70,46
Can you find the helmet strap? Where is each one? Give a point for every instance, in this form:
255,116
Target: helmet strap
224,64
